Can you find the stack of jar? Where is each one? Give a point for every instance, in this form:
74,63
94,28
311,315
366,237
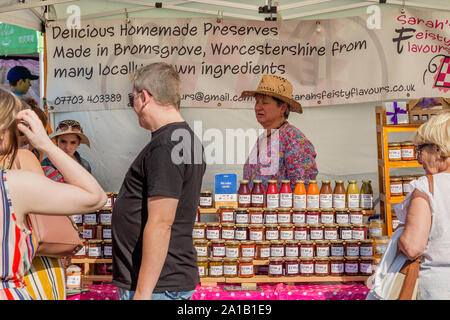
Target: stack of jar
400,185
401,151
96,232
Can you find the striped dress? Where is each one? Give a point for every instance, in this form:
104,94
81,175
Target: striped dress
16,250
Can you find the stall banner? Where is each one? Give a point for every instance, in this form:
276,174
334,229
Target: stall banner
339,61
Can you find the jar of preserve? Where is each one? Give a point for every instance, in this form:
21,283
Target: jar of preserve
241,232
256,232
95,249
342,216
299,216
109,200
366,248
406,186
395,222
77,219
270,216
218,248
90,231
201,246
82,252
226,214
306,266
351,248
285,194
337,266
206,199
241,216
301,232
359,232
216,267
246,268
322,248
73,278
337,248
408,151
366,266
202,264
107,249
321,266
227,231
258,194
105,216
230,267
247,249
394,151
396,186
256,215
291,267
345,231
292,248
377,228
356,215
244,194
284,216
307,249
272,232
316,232
286,232
275,267
312,216
313,196
106,231
232,249
339,195
351,266
262,250
299,195
330,232
272,195
380,244
90,218
327,216
213,231
326,195
199,231
277,249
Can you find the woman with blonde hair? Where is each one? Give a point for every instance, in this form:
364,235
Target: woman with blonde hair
24,191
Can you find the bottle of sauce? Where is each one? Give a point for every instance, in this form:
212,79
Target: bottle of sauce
339,195
244,195
366,195
273,195
285,194
326,195
300,195
352,194
312,196
257,197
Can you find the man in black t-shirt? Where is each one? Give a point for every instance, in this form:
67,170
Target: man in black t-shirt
154,214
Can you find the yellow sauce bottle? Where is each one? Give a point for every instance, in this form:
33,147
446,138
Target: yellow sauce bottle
352,194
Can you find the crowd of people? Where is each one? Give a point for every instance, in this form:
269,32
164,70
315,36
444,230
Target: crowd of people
154,213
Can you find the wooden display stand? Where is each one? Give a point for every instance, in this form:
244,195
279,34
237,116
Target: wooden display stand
418,115
89,276
384,165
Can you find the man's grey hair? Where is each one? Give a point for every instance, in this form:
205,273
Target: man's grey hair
162,81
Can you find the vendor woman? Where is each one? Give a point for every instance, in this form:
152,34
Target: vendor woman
283,152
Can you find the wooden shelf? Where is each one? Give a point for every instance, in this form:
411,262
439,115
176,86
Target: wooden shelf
396,199
399,164
89,279
87,260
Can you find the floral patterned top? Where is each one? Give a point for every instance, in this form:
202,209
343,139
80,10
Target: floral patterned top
288,155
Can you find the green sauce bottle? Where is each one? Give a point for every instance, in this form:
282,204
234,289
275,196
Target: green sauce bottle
366,195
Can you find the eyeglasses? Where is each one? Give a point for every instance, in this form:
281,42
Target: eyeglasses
131,98
69,124
420,147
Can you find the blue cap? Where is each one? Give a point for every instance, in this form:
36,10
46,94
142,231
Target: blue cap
19,72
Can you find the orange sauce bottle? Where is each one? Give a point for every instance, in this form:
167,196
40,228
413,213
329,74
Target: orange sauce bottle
300,195
313,195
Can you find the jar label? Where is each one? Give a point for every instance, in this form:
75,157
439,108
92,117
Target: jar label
202,251
218,251
247,270
276,269
338,201
358,234
346,234
205,201
312,201
95,252
395,154
337,267
356,218
77,218
201,271
286,200
90,218
342,218
271,218
299,218
337,251
230,270
216,270
323,251
300,201
264,252
395,223
227,216
284,218
326,218
312,219
306,252
248,252
272,234
321,268
367,201
228,234
376,232
74,281
365,268
244,199
407,152
257,199
240,235
272,200
198,233
212,234
256,235
380,249
81,252
366,251
108,202
292,268
352,251
105,218
87,234
107,251
316,234
276,252
256,218
287,234
301,235
396,188
291,251
353,200
407,188
306,268
326,201
331,235
242,218
107,234
351,267
232,252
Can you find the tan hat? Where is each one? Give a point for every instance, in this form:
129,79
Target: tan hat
277,87
71,126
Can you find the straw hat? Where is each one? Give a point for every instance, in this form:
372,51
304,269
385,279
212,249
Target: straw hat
277,87
71,126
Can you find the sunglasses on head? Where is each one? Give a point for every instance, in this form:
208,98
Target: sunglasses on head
66,125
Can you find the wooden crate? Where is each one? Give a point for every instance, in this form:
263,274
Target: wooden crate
417,115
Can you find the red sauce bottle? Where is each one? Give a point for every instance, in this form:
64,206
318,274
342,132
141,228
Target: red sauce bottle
273,196
285,194
244,195
257,196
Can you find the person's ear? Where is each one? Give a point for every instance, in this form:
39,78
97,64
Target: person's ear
147,97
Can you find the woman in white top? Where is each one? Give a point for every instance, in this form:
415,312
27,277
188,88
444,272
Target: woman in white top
427,226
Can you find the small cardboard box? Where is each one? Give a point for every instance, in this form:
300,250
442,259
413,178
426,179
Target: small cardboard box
422,109
394,117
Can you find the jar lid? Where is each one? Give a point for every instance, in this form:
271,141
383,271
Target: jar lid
95,241
212,224
313,210
351,241
345,210
345,225
218,241
395,178
247,242
337,258
339,181
322,242
407,143
306,258
276,242
315,226
301,225
206,191
202,259
381,238
275,259
299,181
230,259
360,225
241,209
306,242
271,226
256,226
299,209
321,259
327,210
366,241
408,178
270,210
286,181
255,209
242,226
290,259
338,241
199,224
262,242
377,220
257,181
330,225
108,241
284,209
394,144
355,209
367,258
216,259
226,207
106,224
245,259
351,258
200,241
228,225
244,181
326,181
292,242
232,242
286,225
90,223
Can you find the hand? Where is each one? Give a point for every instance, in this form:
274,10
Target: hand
31,126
